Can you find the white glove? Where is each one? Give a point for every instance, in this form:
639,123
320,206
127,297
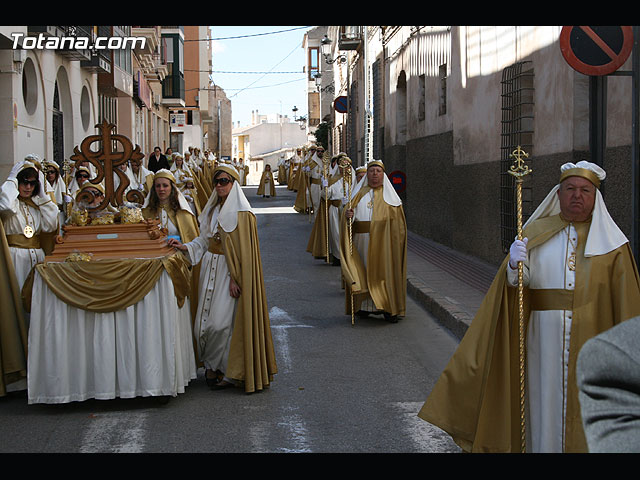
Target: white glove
13,174
67,198
344,201
325,183
518,252
42,195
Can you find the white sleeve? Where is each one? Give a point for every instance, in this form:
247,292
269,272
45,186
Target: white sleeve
196,249
512,275
9,197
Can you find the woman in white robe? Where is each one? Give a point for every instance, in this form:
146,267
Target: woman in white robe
166,203
231,297
27,212
218,290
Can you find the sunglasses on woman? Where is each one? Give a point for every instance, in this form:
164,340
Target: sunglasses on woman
221,181
33,183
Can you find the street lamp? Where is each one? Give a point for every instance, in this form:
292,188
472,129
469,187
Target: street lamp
318,80
302,121
325,47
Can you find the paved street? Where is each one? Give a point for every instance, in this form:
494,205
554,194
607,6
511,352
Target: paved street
339,388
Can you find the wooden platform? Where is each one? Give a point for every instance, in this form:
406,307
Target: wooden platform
137,240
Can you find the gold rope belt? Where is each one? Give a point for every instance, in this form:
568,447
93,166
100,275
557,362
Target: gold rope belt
361,227
18,240
551,299
215,247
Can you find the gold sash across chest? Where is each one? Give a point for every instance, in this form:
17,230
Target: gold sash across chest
215,246
18,240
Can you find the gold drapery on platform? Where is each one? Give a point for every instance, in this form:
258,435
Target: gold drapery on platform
110,285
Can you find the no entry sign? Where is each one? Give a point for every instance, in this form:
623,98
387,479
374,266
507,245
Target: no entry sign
597,50
340,104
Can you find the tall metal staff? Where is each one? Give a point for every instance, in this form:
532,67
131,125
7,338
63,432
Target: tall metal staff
307,186
345,165
66,168
325,165
519,170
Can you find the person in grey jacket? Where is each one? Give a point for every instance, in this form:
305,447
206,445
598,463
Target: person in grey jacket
608,376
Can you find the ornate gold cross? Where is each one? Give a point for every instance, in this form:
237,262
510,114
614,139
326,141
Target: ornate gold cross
519,169
106,160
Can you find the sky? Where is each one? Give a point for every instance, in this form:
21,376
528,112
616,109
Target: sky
272,62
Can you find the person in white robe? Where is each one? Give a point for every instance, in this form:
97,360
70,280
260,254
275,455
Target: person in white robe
292,169
230,299
180,169
341,182
56,188
579,279
552,266
27,213
362,213
315,172
140,177
218,290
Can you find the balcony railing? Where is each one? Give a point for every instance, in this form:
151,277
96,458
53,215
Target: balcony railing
350,37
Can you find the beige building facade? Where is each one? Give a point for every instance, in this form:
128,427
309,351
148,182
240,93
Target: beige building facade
53,98
446,106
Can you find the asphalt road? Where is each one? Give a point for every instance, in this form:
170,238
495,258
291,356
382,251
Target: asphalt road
339,388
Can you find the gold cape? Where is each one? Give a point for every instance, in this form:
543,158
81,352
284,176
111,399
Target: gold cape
13,330
317,245
272,186
303,186
246,174
292,179
385,279
251,354
282,175
476,400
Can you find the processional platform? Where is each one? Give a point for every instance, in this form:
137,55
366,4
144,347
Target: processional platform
110,315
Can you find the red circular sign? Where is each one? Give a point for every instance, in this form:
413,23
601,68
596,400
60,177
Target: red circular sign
399,180
598,50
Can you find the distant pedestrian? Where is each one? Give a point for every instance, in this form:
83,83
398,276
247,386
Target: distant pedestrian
157,161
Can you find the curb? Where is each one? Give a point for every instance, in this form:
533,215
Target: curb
446,312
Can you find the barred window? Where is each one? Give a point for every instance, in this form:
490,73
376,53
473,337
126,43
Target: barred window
517,131
442,104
